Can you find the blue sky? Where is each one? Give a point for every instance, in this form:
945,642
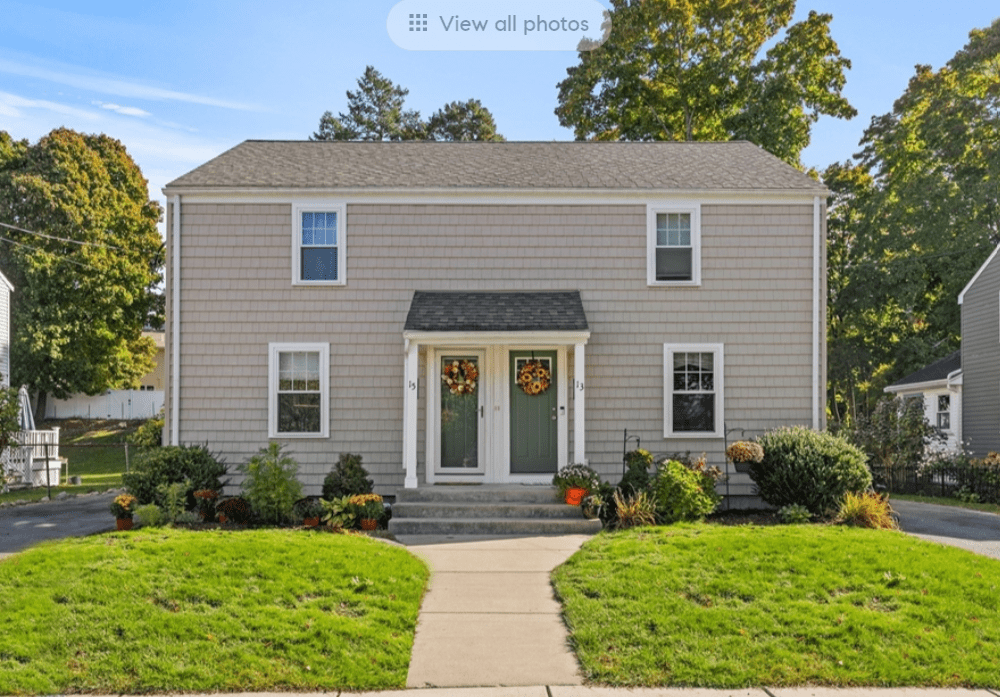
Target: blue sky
180,82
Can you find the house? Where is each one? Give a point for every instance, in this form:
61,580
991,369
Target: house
142,403
489,312
5,290
939,387
980,301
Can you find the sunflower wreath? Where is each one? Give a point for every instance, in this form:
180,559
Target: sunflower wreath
533,377
460,377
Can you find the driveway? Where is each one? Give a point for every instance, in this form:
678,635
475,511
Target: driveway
972,530
24,526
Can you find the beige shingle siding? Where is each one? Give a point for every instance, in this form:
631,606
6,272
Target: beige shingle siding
980,358
756,298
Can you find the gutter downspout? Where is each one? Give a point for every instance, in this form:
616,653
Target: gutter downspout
816,314
175,332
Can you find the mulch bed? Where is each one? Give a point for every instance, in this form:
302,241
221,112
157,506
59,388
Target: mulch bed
745,517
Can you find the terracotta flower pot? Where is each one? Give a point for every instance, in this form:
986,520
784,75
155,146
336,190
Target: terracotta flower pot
369,524
575,495
311,522
222,519
123,523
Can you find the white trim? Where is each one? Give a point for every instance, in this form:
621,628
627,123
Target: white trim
917,386
817,310
562,425
435,471
319,206
668,390
495,196
579,405
175,339
474,339
961,296
7,283
694,210
411,390
273,349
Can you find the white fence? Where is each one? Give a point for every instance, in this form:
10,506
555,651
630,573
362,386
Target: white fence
116,404
35,460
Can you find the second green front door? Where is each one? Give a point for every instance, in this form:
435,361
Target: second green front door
533,412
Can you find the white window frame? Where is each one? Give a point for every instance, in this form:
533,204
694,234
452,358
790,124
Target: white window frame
338,207
324,385
694,210
668,389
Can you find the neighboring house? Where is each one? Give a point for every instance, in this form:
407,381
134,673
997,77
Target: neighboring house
5,290
939,387
980,301
118,404
321,294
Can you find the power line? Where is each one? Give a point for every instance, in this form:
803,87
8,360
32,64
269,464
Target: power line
61,239
28,246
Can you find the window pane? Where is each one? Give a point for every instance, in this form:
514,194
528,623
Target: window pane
694,412
298,413
661,229
707,382
319,264
944,402
673,264
307,220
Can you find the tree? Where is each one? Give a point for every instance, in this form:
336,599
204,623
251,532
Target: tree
911,222
463,121
692,70
375,112
85,261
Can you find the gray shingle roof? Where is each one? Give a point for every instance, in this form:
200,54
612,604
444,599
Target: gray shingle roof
732,166
938,370
496,312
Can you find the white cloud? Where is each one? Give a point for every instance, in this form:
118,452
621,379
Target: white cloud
125,110
115,86
11,105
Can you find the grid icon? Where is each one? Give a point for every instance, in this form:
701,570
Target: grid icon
418,22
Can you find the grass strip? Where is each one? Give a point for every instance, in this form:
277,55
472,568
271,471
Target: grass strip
211,611
947,501
731,607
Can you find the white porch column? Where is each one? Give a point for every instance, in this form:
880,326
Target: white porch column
579,407
412,376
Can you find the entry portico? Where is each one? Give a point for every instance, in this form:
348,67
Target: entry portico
498,430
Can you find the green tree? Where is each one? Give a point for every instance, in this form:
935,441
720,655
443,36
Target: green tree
463,121
85,261
911,222
693,70
374,112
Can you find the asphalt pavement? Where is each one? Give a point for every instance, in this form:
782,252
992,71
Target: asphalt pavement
975,531
23,526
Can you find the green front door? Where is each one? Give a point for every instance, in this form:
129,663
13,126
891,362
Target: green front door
533,412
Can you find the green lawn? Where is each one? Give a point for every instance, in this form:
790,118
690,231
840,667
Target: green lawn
221,611
729,607
946,501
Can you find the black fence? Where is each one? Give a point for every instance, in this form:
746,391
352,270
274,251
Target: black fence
940,479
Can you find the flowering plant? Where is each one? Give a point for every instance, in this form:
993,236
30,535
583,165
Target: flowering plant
460,377
121,507
745,451
367,505
576,477
205,501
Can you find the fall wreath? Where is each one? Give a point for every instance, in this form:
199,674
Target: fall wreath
460,377
533,377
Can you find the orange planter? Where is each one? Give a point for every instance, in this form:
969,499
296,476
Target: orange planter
124,523
369,524
311,522
575,495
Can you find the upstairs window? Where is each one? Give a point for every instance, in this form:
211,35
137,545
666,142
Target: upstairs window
673,245
318,255
944,412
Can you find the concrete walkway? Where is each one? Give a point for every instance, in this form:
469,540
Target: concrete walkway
490,617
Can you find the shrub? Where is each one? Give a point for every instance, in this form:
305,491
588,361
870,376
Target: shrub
867,510
149,434
794,513
684,493
637,475
635,510
347,478
576,476
236,509
193,464
271,485
205,503
895,435
309,507
150,516
810,468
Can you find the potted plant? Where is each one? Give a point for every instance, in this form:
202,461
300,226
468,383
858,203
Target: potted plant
742,453
369,509
591,506
338,512
309,509
574,482
122,509
235,509
204,500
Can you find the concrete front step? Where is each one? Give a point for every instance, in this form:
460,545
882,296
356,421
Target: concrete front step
493,526
479,493
475,510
